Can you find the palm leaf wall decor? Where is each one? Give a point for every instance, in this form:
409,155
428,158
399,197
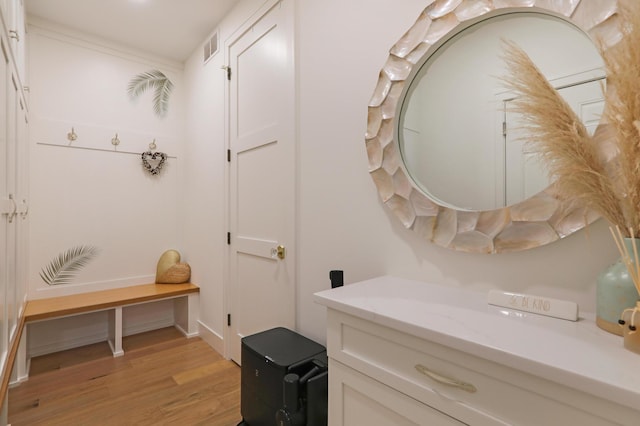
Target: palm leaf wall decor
62,269
157,81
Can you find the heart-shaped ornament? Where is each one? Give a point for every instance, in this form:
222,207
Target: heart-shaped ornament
153,161
170,270
168,259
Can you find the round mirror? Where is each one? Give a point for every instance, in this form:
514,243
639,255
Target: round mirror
455,133
426,154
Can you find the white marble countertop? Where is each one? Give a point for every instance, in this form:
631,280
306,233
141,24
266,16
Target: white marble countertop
576,354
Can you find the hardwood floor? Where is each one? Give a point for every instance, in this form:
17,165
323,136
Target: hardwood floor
163,378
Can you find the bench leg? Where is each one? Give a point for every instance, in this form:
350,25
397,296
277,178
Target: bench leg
185,311
22,358
115,331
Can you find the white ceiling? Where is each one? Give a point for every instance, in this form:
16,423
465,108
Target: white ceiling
171,29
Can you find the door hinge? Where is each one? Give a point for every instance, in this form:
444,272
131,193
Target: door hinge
227,69
228,320
229,238
504,128
228,155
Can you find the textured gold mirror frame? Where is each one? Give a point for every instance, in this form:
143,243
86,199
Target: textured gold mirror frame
534,222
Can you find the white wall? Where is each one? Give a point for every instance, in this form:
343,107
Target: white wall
98,196
341,46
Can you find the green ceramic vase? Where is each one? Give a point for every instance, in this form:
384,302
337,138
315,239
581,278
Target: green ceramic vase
615,292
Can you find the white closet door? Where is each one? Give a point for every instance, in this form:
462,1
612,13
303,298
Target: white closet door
261,285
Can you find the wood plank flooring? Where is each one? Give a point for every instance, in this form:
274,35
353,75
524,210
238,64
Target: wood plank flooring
163,378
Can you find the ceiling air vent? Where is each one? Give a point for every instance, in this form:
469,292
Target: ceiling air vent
211,47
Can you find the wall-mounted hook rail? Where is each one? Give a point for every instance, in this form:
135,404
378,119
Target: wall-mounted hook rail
89,136
94,149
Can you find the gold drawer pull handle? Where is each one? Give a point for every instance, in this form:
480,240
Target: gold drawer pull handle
445,380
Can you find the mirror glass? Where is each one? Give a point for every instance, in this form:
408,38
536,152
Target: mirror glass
421,128
458,140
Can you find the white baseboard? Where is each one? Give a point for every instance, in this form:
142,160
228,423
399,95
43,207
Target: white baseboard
21,378
187,334
212,338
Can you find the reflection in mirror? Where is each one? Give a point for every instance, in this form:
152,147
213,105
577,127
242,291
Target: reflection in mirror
536,220
459,142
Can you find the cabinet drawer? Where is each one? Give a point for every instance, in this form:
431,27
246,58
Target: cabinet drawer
356,399
473,390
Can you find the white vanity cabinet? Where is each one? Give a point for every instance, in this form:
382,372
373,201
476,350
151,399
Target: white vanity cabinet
404,352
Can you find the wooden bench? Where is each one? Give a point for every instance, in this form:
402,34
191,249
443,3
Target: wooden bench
185,307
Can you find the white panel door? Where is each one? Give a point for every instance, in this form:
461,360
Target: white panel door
525,174
261,286
12,181
22,197
6,206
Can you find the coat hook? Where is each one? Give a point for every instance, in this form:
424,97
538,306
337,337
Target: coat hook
72,136
115,141
153,145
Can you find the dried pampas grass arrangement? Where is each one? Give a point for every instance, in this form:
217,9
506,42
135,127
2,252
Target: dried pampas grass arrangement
573,158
